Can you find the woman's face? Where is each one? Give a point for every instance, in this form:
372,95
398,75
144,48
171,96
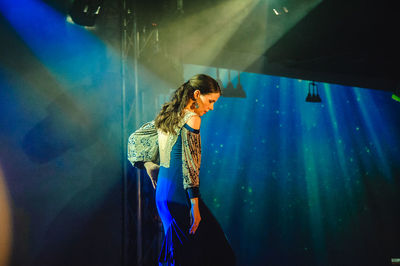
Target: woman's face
206,102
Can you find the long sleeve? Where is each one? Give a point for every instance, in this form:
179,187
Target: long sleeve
143,145
191,160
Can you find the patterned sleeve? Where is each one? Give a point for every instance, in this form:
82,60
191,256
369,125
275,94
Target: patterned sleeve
143,145
191,159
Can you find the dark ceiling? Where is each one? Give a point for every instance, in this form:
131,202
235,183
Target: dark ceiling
346,42
352,43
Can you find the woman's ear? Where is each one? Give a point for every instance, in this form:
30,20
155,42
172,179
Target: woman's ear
196,94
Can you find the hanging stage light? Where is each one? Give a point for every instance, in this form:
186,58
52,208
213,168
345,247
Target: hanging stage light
85,12
240,93
314,96
396,95
231,91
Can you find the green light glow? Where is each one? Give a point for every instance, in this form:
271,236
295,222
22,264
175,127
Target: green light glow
395,97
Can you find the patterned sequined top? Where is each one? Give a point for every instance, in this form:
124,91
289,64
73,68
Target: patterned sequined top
149,144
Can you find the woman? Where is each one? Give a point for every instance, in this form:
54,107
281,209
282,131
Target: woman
192,234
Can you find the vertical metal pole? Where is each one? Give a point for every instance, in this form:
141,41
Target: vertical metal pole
123,104
126,33
137,119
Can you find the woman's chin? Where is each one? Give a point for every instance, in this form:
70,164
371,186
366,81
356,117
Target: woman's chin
200,113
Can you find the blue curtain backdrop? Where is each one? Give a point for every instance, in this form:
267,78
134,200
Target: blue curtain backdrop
298,183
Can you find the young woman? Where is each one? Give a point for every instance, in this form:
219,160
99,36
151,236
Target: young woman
192,234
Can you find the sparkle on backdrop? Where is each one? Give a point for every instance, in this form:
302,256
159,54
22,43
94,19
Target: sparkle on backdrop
286,176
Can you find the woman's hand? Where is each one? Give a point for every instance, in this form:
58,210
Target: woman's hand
152,170
195,215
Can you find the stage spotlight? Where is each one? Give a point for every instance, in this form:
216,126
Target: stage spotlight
240,93
313,97
280,11
231,91
396,95
85,12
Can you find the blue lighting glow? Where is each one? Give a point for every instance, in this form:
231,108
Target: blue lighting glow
70,52
297,183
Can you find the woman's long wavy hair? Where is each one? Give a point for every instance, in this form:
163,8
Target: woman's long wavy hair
172,112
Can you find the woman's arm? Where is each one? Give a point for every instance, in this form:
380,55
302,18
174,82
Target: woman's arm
152,170
143,145
195,215
194,122
193,155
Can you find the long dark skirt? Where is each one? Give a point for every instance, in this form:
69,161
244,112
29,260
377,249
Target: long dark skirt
208,246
